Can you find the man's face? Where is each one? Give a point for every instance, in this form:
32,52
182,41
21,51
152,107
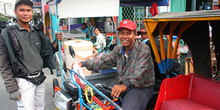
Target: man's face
144,36
83,26
96,31
127,37
24,13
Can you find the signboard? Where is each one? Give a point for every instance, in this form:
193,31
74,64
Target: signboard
88,8
36,3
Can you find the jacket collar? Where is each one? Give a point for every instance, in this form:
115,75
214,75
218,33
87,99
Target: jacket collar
21,28
133,49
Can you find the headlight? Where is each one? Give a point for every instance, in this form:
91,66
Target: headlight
63,100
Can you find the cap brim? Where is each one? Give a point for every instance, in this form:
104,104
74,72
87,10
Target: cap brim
142,30
125,28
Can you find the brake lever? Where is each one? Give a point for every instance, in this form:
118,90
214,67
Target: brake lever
107,87
66,69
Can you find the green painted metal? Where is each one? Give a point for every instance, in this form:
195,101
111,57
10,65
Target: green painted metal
82,20
118,21
177,5
136,14
88,21
193,8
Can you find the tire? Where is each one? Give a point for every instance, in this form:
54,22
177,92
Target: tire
55,83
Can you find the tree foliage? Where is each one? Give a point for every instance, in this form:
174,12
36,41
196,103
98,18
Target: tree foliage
3,17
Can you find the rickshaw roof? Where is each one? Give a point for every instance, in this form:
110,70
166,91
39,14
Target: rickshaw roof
205,15
195,28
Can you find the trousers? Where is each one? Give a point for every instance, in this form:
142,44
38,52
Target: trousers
137,98
32,96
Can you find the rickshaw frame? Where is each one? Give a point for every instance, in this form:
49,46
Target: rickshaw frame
193,29
185,26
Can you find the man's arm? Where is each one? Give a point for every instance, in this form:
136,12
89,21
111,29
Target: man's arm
6,68
105,61
92,37
144,70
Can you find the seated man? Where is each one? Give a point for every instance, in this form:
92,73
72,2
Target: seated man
84,27
176,65
135,69
144,35
100,39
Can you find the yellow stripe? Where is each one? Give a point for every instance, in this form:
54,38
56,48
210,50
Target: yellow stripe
172,27
183,19
150,27
183,27
162,25
57,108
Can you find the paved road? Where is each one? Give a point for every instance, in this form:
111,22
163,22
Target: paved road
6,104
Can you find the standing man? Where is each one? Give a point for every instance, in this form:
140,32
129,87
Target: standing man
90,31
24,52
135,68
100,39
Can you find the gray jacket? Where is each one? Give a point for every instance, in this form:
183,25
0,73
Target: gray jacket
10,66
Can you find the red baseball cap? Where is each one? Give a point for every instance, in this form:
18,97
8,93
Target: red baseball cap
128,24
142,31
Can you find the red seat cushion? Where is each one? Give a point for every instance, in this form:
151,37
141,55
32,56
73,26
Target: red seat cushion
205,91
183,104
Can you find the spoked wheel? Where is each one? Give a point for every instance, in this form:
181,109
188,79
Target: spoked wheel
55,83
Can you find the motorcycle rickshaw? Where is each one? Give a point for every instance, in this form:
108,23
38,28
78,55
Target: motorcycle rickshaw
79,92
196,90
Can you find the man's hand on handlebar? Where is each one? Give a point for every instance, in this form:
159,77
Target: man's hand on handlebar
117,90
58,37
80,64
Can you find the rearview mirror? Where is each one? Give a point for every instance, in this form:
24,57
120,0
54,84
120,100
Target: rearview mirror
72,53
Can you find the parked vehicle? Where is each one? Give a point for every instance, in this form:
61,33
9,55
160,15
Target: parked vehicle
78,89
193,91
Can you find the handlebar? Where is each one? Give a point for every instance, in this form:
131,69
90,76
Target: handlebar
99,92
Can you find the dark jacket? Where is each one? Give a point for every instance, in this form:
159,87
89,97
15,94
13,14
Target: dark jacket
10,49
137,71
176,65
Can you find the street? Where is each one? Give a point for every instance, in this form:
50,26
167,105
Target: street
7,104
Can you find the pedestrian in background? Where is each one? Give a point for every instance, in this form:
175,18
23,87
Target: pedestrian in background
100,39
13,22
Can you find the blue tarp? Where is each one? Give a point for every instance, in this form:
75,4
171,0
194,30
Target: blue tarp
131,3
